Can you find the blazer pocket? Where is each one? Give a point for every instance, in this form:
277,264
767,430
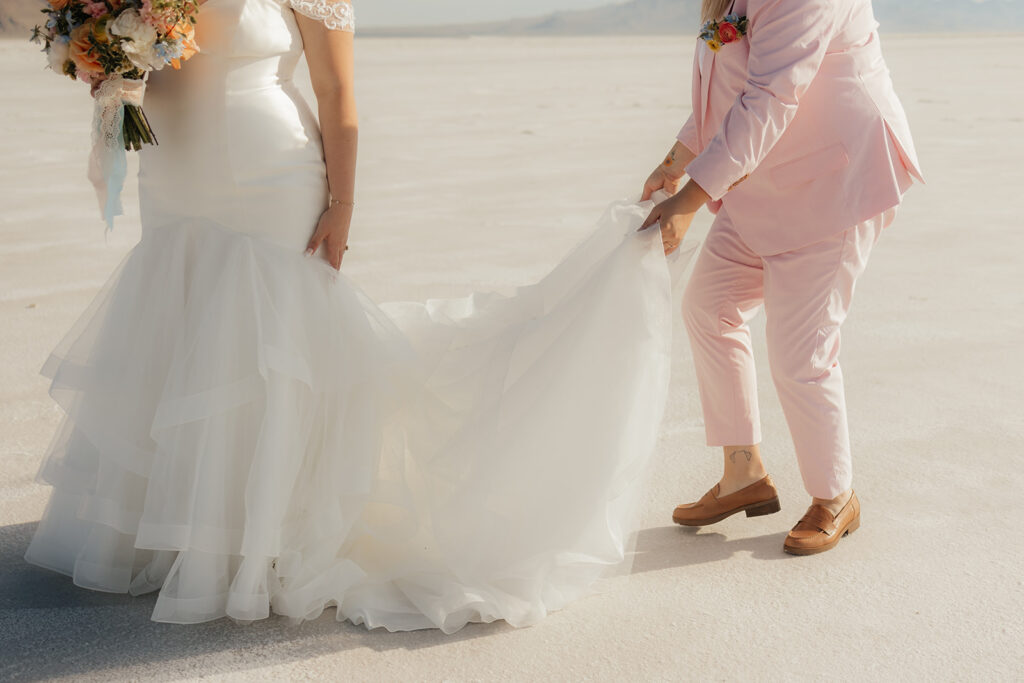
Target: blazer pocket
810,166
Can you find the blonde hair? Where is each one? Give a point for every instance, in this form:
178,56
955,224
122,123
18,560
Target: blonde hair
714,9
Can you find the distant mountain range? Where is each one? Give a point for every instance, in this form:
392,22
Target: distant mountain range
17,17
652,17
678,16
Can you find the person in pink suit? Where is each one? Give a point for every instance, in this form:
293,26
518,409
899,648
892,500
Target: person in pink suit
800,146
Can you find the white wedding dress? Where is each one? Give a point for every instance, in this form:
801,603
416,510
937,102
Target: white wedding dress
248,433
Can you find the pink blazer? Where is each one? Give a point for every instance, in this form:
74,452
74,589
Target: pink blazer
802,109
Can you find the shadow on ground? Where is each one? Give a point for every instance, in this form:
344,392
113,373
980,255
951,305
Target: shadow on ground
50,628
670,547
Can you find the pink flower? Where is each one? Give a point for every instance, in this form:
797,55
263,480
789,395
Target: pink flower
95,9
728,33
93,79
160,19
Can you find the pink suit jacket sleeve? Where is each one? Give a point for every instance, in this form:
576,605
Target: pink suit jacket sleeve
688,135
788,40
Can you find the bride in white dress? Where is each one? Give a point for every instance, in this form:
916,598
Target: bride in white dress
248,433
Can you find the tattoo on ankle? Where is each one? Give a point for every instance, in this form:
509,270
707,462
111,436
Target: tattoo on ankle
749,456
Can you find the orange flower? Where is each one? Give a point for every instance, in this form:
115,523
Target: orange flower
59,4
186,33
82,39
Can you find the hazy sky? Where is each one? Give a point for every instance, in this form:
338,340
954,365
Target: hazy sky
416,12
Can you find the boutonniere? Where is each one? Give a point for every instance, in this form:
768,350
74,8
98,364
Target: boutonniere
718,33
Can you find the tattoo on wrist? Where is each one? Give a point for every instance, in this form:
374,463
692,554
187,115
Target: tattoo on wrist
671,158
747,454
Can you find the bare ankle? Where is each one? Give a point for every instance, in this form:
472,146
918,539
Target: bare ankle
743,467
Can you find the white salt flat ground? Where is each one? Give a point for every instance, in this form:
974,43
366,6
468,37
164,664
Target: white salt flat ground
482,162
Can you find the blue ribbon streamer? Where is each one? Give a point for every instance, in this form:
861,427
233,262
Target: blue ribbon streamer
115,170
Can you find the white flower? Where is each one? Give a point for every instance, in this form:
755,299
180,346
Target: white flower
139,40
130,24
146,58
57,53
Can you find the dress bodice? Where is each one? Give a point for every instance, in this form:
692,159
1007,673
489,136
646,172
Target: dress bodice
240,34
238,142
247,29
249,44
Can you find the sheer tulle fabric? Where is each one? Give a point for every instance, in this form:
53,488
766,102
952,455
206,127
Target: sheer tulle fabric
246,433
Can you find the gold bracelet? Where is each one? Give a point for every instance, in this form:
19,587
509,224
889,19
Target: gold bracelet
342,202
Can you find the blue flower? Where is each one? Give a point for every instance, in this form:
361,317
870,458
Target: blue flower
169,50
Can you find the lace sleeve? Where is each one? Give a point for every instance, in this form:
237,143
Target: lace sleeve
337,15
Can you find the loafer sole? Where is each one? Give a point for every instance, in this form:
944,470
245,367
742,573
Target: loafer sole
758,509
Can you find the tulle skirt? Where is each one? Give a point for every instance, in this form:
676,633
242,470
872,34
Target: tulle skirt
246,433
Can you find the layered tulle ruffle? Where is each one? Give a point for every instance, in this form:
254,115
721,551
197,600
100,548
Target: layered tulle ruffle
246,432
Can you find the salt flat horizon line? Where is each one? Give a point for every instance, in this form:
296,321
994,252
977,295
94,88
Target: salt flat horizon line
371,33
394,33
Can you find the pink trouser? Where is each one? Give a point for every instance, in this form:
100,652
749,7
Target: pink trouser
806,294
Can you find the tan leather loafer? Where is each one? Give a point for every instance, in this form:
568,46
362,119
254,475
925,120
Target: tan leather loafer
760,498
818,531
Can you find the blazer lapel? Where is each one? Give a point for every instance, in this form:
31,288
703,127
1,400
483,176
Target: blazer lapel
707,62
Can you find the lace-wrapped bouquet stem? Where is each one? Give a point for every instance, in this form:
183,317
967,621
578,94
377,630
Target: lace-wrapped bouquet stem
112,45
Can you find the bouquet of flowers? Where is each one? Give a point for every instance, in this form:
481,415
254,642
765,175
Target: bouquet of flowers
112,45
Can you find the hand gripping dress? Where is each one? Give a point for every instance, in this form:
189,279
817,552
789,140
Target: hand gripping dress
247,433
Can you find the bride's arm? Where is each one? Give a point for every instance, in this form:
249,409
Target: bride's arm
330,58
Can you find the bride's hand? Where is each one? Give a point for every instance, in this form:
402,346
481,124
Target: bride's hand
332,233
